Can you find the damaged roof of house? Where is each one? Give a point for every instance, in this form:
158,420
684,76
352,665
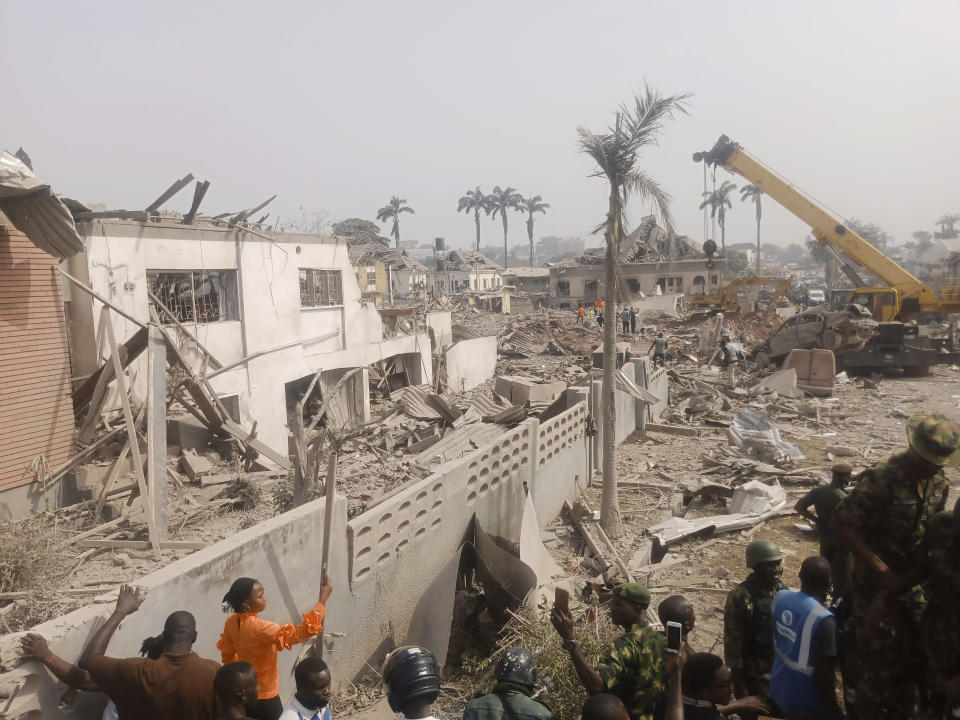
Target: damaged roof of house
369,253
647,243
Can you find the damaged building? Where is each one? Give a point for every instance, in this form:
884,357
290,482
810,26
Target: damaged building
652,261
256,313
386,274
460,271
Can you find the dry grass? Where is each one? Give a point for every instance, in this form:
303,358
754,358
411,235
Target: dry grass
531,629
31,561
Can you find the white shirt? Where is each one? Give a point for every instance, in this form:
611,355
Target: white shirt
296,711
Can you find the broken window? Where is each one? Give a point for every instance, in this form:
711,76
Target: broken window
669,282
371,278
563,287
633,285
201,296
590,284
679,283
321,288
713,279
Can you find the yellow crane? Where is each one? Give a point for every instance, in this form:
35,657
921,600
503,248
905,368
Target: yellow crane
904,297
726,298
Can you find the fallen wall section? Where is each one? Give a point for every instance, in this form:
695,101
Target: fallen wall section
471,362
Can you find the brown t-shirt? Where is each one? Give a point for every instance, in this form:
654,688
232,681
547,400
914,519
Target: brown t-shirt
173,686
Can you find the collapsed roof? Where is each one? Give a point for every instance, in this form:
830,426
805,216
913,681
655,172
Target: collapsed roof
648,243
369,253
468,260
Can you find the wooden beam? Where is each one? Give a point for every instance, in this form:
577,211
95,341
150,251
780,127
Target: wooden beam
114,473
101,298
82,455
183,328
157,429
250,441
143,544
132,437
94,531
134,346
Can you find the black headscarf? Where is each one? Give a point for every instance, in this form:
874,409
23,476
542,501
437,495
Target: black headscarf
238,593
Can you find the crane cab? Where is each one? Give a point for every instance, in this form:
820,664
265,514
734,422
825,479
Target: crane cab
883,303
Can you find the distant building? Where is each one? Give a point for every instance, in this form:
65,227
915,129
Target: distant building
386,274
460,271
652,261
748,249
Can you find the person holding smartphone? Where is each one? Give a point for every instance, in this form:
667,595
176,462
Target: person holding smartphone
634,668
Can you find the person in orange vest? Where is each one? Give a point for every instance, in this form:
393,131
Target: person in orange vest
580,313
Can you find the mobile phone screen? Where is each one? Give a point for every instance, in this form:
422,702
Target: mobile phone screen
674,637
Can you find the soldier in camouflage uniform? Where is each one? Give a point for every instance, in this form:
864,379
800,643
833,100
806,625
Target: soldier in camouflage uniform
634,668
747,626
941,619
881,522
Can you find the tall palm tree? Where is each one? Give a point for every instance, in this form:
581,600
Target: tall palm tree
946,223
752,192
718,201
473,201
392,211
530,206
498,202
924,239
618,153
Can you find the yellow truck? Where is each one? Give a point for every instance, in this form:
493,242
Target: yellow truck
727,298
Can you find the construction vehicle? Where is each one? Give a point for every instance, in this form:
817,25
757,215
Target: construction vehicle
727,299
903,298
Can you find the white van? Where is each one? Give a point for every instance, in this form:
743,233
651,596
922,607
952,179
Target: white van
817,297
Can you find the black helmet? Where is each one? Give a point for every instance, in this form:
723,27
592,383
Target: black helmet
410,672
517,665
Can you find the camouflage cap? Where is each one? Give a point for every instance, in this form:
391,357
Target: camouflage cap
634,592
935,438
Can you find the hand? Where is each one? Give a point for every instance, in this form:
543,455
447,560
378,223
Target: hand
563,623
676,661
326,589
35,647
747,704
129,599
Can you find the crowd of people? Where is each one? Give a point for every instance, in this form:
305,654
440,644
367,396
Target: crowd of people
878,605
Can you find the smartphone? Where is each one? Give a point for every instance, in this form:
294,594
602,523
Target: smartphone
561,599
674,637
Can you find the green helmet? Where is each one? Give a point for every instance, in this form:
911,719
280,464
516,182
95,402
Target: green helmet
761,551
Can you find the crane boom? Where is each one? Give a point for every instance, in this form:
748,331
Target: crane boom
826,228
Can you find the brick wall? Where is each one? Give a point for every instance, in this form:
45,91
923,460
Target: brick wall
36,412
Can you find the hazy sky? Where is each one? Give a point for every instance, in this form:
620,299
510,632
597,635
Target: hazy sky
336,106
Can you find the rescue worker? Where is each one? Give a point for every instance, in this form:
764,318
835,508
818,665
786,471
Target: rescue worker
882,523
802,682
941,618
600,318
634,668
516,674
580,313
728,358
747,635
633,321
824,500
659,350
625,319
412,677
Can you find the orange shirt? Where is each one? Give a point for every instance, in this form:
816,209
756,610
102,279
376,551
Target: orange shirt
256,641
580,312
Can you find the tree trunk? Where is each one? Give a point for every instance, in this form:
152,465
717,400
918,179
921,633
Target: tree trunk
610,502
530,236
723,237
396,233
504,216
758,247
476,218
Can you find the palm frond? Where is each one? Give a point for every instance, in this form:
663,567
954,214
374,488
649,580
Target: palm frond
649,190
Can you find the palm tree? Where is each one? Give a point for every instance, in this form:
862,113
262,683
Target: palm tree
392,211
473,201
617,153
498,202
946,223
718,201
530,206
752,192
924,240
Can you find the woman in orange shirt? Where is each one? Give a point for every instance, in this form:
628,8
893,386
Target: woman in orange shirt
256,641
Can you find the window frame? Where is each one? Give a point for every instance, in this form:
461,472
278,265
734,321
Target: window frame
312,288
193,273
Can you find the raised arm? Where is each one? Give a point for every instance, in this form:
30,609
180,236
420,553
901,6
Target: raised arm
128,602
590,679
35,647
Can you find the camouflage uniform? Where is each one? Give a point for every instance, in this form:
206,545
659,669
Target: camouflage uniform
941,619
635,669
889,511
748,633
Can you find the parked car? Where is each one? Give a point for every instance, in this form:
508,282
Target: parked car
846,329
816,297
